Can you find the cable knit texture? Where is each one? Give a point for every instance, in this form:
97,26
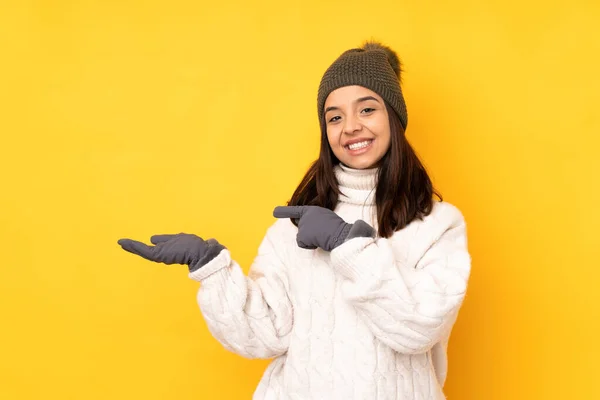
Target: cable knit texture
369,320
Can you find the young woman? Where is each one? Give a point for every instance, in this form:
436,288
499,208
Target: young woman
357,285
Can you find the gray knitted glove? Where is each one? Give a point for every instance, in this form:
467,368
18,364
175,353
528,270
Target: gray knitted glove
321,227
181,248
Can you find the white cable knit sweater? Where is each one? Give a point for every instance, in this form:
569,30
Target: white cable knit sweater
370,320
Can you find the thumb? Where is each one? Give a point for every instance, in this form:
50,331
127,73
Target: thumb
156,239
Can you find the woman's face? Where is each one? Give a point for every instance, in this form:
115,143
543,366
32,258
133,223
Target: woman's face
358,127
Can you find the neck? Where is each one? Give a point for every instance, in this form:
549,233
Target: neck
357,185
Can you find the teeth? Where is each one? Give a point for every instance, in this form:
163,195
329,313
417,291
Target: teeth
359,145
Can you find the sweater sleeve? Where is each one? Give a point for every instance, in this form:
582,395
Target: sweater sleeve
409,307
249,315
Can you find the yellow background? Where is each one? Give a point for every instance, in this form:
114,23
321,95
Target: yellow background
130,118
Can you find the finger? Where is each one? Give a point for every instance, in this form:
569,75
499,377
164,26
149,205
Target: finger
303,245
156,239
289,212
138,248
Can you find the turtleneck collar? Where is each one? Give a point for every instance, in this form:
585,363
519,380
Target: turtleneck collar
357,185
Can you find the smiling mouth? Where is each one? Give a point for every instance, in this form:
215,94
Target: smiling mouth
359,145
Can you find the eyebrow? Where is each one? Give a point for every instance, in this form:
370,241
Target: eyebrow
359,100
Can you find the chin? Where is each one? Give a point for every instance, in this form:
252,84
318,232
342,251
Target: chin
366,164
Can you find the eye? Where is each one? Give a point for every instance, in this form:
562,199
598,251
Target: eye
334,119
368,110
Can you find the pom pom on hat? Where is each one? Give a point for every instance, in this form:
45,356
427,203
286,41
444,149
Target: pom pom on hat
391,55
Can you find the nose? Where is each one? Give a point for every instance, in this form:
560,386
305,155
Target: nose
351,125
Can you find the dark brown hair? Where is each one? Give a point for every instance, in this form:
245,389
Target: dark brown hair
404,190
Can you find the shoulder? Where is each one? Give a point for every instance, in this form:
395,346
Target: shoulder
280,241
281,226
443,217
445,223
445,214
280,232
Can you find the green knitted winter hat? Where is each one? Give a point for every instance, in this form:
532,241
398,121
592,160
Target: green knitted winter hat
374,66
